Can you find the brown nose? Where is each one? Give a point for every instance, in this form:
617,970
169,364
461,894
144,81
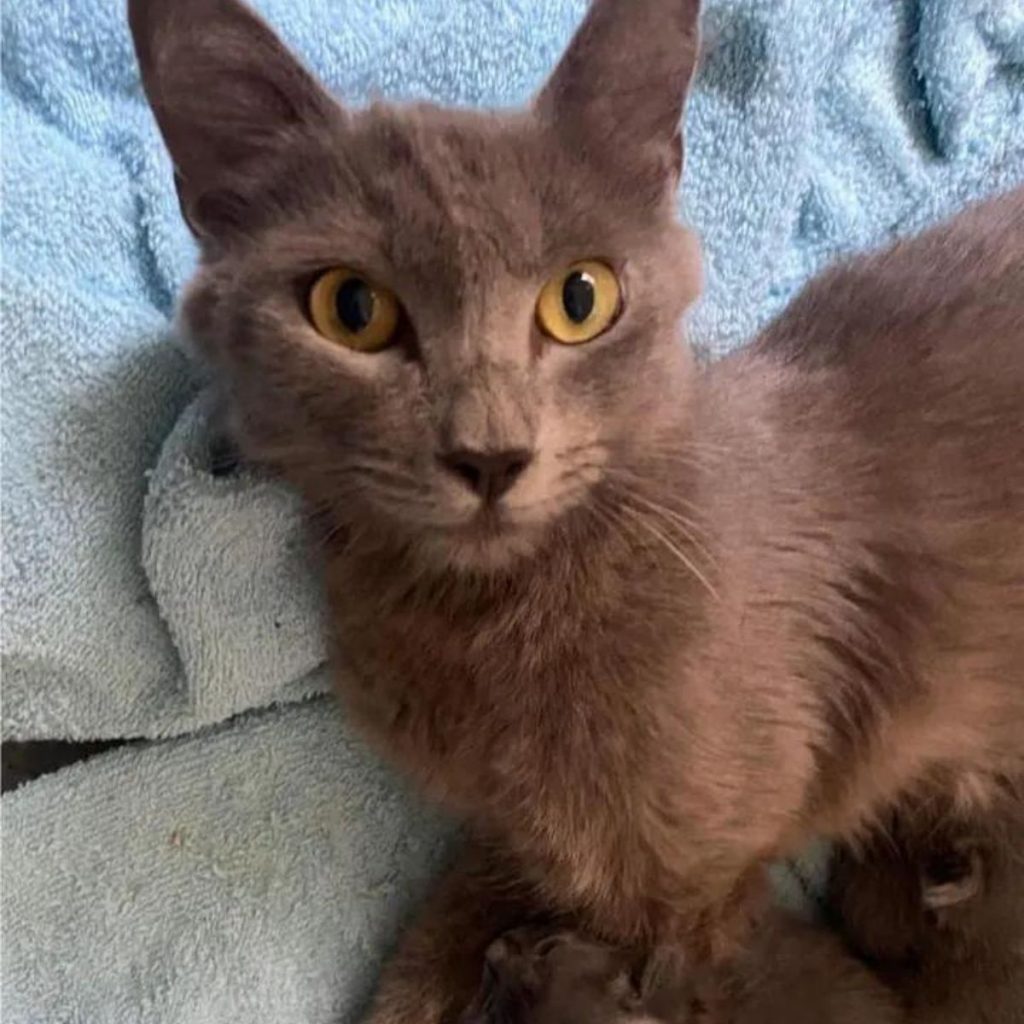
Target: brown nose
488,474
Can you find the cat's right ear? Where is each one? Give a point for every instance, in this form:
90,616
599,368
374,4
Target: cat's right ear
619,91
230,100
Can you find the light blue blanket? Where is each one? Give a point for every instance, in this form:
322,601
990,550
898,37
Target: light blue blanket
256,875
144,597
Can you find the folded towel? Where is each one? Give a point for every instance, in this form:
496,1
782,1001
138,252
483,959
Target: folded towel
817,126
267,634
257,874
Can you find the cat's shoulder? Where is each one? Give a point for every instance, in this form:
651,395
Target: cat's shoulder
914,292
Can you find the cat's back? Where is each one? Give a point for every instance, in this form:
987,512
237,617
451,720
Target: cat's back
957,287
912,359
884,411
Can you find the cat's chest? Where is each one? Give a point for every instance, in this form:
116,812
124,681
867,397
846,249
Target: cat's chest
486,708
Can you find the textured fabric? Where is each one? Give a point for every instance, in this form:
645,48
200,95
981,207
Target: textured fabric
256,874
143,597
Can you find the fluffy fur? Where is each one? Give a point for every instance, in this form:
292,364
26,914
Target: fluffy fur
723,609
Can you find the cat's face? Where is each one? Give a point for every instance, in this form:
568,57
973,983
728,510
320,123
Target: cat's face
450,328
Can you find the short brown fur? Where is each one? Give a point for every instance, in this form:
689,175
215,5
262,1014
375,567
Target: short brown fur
935,904
724,610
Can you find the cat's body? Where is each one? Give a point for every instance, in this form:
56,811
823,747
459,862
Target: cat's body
645,625
854,493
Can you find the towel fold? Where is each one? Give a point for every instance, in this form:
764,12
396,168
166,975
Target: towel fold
245,639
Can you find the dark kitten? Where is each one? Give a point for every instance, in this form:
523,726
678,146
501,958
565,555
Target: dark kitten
791,974
936,904
646,625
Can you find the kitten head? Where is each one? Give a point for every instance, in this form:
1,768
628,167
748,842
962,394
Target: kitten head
454,331
534,975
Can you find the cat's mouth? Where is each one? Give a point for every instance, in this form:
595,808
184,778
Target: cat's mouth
489,521
490,539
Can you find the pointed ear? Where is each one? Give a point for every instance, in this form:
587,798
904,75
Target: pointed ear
622,84
230,101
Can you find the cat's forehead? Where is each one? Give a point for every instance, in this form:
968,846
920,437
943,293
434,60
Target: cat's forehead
471,186
453,209
474,191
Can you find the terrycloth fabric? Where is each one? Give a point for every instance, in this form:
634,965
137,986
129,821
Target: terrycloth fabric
817,126
254,875
268,636
257,874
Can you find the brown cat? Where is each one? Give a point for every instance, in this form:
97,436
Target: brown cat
645,625
791,974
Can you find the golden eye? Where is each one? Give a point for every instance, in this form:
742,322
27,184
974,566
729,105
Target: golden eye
580,303
348,309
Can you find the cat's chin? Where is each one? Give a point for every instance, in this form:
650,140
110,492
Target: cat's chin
477,549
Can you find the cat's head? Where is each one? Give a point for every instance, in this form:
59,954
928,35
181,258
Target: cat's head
448,328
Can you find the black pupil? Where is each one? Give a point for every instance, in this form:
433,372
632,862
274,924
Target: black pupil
578,296
355,304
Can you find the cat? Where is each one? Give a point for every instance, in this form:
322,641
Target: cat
792,973
644,624
936,905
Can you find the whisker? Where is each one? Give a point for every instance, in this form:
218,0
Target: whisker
692,531
604,514
568,453
386,474
688,525
688,444
639,521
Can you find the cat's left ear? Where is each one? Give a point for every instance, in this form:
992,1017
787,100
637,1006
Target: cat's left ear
619,91
235,108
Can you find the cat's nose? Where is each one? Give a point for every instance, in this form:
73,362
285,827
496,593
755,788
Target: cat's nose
488,474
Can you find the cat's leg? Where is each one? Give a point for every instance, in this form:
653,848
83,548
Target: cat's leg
434,974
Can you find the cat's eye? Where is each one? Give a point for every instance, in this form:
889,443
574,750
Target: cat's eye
352,311
580,302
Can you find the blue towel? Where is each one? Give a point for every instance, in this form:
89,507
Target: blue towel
142,596
254,875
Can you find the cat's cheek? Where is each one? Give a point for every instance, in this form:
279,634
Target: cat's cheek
552,487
